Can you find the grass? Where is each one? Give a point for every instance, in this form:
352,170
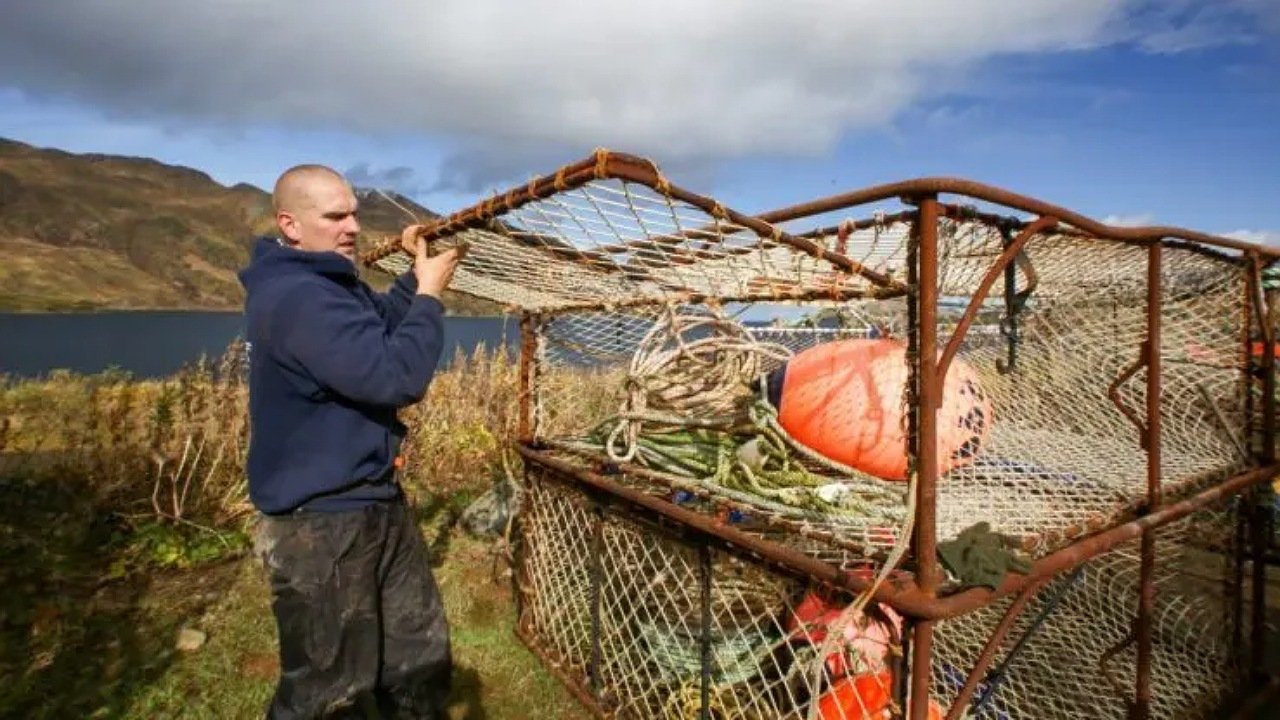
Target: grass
233,675
123,519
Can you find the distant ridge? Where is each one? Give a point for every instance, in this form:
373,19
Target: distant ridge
84,232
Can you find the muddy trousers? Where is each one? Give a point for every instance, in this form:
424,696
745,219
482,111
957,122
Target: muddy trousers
361,626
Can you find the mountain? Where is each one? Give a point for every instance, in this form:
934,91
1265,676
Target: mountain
98,232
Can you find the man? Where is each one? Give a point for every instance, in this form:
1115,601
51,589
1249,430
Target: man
358,612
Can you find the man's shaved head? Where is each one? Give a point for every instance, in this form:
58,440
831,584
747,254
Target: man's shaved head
316,210
293,187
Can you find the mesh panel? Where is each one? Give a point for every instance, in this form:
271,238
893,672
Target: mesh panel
612,241
1063,458
1076,659
763,635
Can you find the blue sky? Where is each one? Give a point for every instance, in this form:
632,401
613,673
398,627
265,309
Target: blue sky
1139,111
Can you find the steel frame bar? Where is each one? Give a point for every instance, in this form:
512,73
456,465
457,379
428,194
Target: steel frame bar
956,186
527,387
929,397
903,594
1141,708
1266,314
620,166
989,650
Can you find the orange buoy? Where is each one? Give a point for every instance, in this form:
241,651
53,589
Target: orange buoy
1258,346
867,636
858,697
843,400
863,697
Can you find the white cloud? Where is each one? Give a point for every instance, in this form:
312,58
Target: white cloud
1135,220
695,78
689,80
1177,26
1259,237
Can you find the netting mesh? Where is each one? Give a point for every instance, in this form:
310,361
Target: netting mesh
601,262
1079,657
1063,458
1074,656
613,242
662,603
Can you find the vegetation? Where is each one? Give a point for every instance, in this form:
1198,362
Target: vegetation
98,232
124,521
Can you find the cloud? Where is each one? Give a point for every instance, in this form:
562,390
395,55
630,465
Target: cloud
478,169
691,78
1135,220
504,84
1176,26
401,178
1259,237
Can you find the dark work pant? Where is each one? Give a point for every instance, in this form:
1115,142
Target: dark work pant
359,615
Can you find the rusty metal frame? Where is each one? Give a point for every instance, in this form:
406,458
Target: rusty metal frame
606,165
1266,313
987,193
989,650
901,593
917,596
1151,443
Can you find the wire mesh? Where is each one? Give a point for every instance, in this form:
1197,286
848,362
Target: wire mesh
1062,458
657,625
1076,660
1079,656
663,602
611,241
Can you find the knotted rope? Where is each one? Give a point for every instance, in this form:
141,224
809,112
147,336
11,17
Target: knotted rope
689,371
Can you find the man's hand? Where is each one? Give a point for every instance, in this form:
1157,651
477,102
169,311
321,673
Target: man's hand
434,273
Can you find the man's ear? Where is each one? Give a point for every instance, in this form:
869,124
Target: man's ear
288,225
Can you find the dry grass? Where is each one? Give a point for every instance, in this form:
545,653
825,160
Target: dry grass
126,502
175,448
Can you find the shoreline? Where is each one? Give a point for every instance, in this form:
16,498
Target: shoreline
177,310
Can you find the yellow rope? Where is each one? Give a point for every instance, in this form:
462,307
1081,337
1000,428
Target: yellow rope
602,163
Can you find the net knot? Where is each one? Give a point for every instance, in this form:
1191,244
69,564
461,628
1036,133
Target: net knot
602,163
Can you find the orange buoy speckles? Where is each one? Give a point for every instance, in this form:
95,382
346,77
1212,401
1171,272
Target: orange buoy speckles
844,399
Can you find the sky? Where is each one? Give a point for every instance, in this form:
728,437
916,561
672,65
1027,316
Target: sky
1131,111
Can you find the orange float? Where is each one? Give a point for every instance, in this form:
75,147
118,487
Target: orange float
843,399
858,697
863,697
1258,346
867,635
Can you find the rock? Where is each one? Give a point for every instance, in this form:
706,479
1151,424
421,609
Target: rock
190,639
488,515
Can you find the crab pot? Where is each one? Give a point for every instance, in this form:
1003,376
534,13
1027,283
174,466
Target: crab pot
929,449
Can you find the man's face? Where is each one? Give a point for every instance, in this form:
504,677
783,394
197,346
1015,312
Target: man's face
324,219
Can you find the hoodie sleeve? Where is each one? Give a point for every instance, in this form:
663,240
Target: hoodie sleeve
349,350
395,302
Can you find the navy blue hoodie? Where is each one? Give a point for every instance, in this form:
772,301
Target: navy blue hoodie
330,362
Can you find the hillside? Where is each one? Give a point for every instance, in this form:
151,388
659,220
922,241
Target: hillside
98,232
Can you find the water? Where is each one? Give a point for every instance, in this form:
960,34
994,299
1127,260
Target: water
156,344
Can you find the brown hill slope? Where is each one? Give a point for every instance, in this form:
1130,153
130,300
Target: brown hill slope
93,232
